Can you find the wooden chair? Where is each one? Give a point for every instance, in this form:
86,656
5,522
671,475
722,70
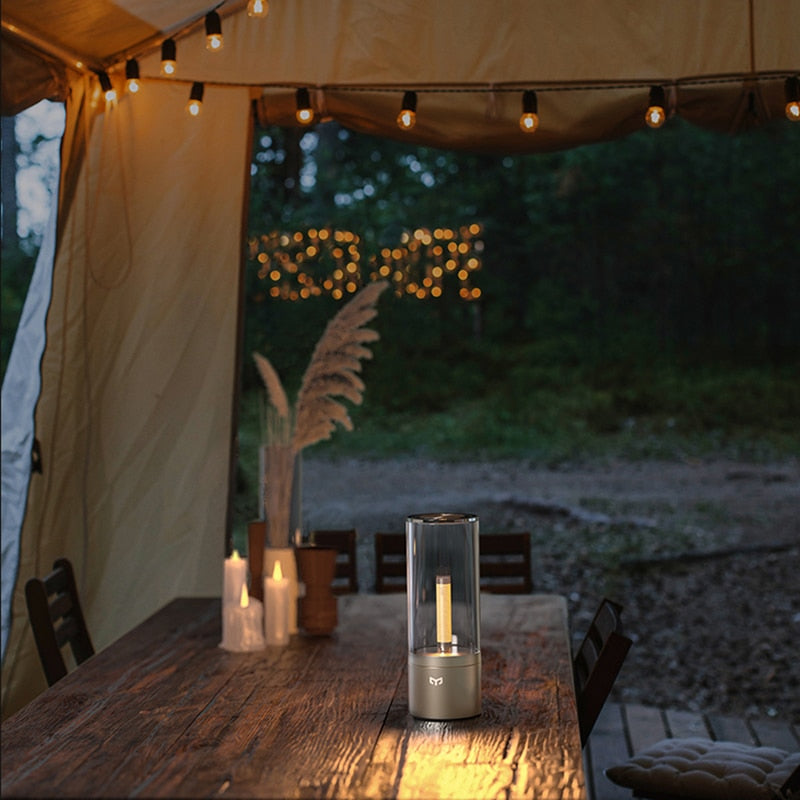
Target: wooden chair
505,563
56,618
390,562
345,580
598,662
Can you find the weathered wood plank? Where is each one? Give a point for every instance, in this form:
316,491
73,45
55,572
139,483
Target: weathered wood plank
772,733
686,724
731,729
645,726
607,746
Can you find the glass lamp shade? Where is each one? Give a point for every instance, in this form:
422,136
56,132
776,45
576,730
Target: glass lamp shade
443,615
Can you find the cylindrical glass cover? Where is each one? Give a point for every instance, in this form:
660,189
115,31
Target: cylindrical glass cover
444,659
442,580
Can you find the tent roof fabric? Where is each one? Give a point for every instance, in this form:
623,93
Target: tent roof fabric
722,62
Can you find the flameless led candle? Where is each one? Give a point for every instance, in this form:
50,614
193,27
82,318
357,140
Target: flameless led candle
242,625
234,578
276,607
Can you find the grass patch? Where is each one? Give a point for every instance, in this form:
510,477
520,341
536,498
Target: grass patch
555,414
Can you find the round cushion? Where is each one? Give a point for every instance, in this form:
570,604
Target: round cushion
701,768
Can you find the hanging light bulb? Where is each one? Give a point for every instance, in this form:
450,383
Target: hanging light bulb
195,104
407,117
132,83
258,8
656,115
304,113
169,64
529,120
213,32
792,88
108,90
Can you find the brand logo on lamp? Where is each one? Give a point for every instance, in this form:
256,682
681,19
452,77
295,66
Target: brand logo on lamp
435,681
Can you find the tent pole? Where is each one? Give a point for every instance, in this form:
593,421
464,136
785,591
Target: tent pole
236,386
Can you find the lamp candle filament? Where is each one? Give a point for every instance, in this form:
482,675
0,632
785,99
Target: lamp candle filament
444,613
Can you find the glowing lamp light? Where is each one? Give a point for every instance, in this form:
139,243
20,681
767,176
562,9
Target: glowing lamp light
195,105
213,32
169,63
258,8
529,121
108,90
655,115
304,113
132,83
792,88
407,117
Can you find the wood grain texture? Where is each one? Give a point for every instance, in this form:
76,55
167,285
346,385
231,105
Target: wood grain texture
164,712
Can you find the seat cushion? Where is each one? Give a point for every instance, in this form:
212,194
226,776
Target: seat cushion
701,768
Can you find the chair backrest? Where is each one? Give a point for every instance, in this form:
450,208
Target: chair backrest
57,619
597,663
505,563
390,562
345,581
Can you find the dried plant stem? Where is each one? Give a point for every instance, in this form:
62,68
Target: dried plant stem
278,478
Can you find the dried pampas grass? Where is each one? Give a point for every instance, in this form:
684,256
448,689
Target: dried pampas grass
333,367
331,373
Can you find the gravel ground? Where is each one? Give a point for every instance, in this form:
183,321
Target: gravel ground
704,556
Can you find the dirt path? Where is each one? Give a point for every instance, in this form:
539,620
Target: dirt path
723,502
717,632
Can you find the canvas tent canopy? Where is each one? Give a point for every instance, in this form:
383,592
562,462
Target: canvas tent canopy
137,354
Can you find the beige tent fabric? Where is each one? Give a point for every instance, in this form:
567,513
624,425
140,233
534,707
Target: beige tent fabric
591,63
139,373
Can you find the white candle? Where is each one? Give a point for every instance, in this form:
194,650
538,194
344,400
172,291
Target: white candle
276,607
242,625
234,577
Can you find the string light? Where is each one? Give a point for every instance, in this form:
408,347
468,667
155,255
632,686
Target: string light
529,121
195,105
132,83
303,264
169,63
407,117
792,89
655,115
108,90
304,114
258,8
213,32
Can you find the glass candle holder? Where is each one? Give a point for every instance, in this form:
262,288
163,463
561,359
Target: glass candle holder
444,653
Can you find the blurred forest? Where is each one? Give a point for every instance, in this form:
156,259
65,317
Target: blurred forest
641,284
637,290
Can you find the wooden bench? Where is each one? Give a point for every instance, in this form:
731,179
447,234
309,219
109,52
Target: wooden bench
624,729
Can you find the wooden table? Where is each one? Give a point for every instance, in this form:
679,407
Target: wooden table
165,712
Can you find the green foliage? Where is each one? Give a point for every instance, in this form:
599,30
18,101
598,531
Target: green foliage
14,279
639,297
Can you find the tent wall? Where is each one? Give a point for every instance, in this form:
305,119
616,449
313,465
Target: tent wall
138,376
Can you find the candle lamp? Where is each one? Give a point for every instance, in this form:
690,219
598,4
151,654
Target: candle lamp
444,656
